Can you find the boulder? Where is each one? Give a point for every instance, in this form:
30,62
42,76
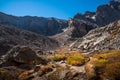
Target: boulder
22,56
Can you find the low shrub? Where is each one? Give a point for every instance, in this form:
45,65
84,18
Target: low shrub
106,65
100,63
45,69
112,71
2,71
58,58
75,59
26,75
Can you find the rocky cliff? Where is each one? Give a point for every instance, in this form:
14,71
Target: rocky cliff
76,29
104,38
104,14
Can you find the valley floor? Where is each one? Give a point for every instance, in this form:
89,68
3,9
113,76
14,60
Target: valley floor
59,66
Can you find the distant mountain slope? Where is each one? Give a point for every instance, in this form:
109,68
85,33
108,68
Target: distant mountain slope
104,14
10,37
104,38
41,25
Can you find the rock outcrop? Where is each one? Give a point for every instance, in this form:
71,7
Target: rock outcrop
23,57
76,29
104,38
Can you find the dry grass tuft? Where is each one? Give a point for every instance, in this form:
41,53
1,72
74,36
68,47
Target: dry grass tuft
75,59
106,65
46,69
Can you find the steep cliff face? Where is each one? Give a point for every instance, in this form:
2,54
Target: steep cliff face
76,29
41,25
104,14
10,36
104,38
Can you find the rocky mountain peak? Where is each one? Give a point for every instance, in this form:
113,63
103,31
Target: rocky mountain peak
103,15
114,3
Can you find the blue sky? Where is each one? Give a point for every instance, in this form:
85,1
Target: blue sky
62,9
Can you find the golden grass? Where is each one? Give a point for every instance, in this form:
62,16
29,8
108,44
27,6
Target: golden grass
112,71
58,57
2,71
71,58
75,59
45,69
100,63
107,64
26,74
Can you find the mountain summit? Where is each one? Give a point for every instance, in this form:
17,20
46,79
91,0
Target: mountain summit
104,14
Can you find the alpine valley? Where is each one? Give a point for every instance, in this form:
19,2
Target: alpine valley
85,47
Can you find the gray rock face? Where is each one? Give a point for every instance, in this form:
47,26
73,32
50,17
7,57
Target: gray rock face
24,55
104,14
10,37
40,25
77,28
104,38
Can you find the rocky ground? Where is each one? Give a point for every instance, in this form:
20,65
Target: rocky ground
37,67
66,66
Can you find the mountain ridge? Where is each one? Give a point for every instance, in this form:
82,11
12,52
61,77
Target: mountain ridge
103,15
40,25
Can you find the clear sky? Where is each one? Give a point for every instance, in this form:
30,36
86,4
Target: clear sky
62,9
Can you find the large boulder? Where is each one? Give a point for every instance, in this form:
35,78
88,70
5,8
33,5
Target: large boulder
22,56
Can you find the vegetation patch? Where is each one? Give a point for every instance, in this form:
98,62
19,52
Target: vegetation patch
2,71
46,69
112,71
106,65
58,57
100,63
75,59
